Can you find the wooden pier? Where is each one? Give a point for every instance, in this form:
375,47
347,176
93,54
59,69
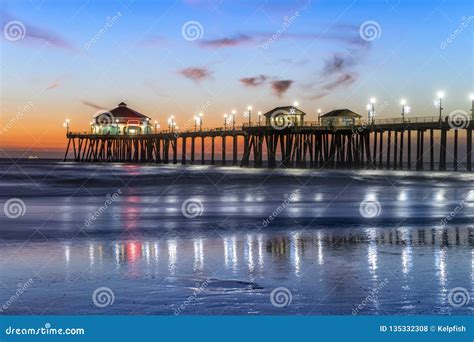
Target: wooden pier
385,143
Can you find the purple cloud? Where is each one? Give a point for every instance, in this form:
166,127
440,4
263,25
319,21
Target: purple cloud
253,81
281,86
195,74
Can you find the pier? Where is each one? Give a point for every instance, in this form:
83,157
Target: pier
394,144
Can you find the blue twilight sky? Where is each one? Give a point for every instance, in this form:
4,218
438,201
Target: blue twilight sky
263,53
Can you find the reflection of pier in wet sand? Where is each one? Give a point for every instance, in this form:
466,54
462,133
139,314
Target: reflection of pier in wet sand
336,266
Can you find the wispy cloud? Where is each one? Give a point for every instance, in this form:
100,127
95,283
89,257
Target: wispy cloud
92,105
343,80
39,35
239,39
53,85
253,81
338,63
281,86
196,74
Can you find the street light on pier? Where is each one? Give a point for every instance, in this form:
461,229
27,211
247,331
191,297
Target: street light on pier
196,120
319,116
471,96
233,119
405,109
249,113
225,122
439,103
259,117
200,121
92,126
371,109
66,125
156,126
171,123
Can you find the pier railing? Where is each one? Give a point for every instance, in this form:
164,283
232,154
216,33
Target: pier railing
309,124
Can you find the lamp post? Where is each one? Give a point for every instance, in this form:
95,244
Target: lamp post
249,112
471,96
319,117
440,95
405,109
92,126
171,123
156,126
66,124
259,118
225,122
196,120
200,121
371,110
233,119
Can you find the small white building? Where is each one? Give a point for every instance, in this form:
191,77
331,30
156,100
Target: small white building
121,120
340,117
286,116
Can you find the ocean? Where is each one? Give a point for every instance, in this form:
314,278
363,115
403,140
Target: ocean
127,239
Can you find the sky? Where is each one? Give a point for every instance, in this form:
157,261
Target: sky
69,59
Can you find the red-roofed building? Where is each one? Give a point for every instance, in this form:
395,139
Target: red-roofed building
120,120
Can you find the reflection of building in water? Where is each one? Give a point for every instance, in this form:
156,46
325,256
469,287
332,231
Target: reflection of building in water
279,247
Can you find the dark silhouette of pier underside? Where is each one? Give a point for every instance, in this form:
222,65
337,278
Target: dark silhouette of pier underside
383,144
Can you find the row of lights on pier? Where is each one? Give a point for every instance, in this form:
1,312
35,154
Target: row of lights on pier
198,119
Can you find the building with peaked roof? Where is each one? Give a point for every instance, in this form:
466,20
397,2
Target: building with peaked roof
120,120
340,117
286,116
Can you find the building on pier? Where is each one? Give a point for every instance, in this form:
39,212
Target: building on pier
121,120
290,115
340,117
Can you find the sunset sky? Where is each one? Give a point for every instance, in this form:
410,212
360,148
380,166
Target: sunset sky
72,58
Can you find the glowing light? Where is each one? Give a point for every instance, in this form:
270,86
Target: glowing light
372,100
402,196
440,94
319,111
403,102
471,96
295,104
249,107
